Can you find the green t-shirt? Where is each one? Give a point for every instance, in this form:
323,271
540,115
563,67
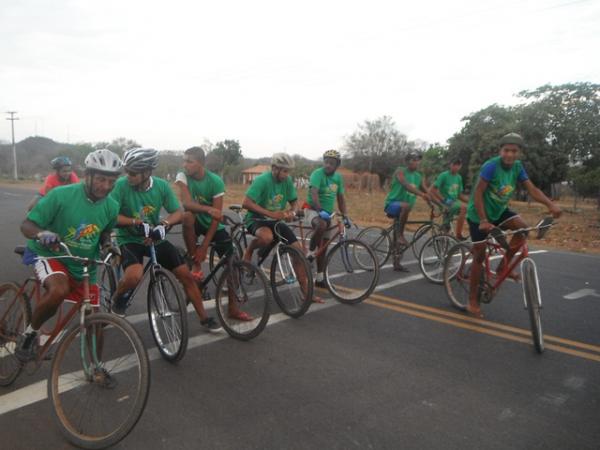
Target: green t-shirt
269,194
450,186
329,187
502,185
67,211
144,206
204,192
398,193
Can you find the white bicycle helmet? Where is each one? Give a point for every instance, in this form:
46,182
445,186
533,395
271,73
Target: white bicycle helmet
140,159
104,161
282,160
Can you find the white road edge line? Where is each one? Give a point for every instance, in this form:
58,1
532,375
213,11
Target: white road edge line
37,391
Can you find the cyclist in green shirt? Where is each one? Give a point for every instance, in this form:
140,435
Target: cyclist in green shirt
326,185
488,207
81,216
141,196
201,193
407,185
448,191
266,200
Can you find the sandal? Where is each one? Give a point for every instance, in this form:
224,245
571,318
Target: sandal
198,276
318,300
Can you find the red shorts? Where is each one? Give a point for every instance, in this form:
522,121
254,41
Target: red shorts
46,267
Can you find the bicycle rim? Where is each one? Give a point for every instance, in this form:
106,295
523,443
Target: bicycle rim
15,314
421,235
107,285
168,316
457,274
433,255
379,240
291,281
532,299
99,381
348,280
243,288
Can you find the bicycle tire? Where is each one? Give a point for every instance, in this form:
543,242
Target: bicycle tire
254,302
167,315
350,295
15,315
107,285
214,258
457,270
433,255
292,305
531,292
73,357
380,241
421,235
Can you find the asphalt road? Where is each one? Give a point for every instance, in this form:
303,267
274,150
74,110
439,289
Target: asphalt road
401,370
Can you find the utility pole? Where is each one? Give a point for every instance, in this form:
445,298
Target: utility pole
12,119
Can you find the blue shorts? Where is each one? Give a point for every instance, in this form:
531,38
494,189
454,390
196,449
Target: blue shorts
393,209
478,235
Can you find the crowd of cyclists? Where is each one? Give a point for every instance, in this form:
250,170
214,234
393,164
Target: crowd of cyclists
83,215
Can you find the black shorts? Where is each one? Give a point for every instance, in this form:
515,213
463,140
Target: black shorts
478,235
221,238
166,255
278,228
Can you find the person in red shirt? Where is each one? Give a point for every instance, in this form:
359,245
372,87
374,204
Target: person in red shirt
63,175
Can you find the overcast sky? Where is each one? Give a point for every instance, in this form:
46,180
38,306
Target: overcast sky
279,75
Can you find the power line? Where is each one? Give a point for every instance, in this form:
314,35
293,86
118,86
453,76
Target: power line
12,119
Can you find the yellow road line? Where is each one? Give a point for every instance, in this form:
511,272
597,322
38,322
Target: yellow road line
481,329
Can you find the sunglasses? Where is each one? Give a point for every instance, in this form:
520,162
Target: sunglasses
132,173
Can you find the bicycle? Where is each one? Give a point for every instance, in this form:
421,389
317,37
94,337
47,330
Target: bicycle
100,374
352,258
457,269
167,309
238,281
383,240
290,274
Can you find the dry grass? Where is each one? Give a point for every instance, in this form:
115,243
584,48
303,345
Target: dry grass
578,232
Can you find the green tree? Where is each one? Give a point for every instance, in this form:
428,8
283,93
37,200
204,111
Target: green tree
377,147
225,153
435,161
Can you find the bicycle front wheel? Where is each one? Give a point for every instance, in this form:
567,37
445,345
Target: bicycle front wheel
531,292
421,235
242,300
214,259
433,255
380,241
291,281
457,274
15,315
168,316
107,285
349,280
99,381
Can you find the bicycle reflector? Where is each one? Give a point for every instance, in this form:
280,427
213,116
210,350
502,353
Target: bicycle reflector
544,226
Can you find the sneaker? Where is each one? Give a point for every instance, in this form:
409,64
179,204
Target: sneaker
321,284
210,325
26,347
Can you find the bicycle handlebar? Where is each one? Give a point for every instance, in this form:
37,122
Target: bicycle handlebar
70,255
500,235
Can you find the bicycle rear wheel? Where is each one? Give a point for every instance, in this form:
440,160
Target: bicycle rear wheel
457,274
168,315
380,241
15,315
348,280
243,288
533,301
99,381
433,255
291,281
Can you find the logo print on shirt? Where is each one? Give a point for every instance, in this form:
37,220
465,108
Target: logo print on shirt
83,233
147,210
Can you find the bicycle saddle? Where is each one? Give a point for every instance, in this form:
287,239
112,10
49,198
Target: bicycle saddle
20,250
236,207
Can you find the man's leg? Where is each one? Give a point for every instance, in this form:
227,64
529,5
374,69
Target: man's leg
190,237
263,237
400,240
476,268
460,221
515,244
